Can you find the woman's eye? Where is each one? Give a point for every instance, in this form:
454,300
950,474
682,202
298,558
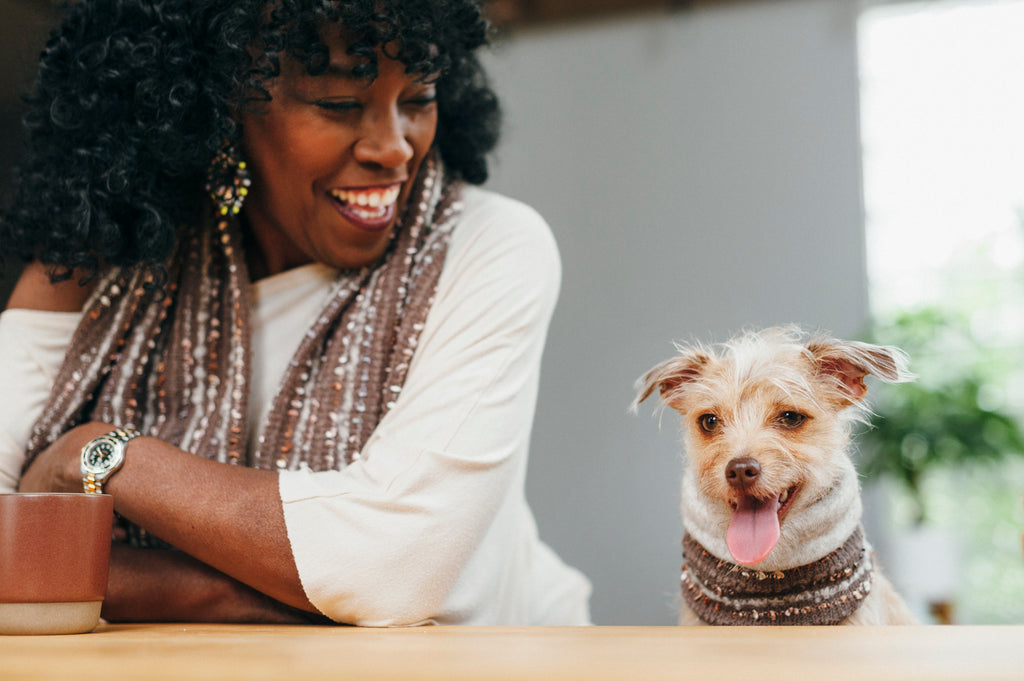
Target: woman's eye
337,105
421,100
792,419
709,423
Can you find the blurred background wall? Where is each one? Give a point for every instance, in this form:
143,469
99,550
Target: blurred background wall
699,166
24,25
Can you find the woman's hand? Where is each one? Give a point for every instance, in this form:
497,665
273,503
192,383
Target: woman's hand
58,468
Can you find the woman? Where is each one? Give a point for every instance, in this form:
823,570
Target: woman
316,379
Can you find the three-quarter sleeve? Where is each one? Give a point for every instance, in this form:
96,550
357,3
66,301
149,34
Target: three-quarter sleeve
32,348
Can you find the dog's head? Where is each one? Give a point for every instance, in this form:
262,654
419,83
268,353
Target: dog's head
766,420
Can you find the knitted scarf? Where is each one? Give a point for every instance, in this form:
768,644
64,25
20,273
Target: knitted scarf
173,361
824,592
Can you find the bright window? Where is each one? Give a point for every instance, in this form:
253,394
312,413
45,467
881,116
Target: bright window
942,97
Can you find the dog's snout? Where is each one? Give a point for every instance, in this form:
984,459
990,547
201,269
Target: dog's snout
742,472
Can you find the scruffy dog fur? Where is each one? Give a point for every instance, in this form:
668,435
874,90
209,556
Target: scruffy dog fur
766,429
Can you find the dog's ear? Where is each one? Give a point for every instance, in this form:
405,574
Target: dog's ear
848,362
670,378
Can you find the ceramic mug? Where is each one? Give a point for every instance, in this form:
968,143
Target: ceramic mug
54,558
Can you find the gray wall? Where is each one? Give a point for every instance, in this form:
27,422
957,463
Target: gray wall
701,172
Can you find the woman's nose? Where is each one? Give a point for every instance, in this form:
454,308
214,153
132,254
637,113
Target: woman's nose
383,141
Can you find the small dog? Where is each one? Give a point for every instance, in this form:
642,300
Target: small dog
770,498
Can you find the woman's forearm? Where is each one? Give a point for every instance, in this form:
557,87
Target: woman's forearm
170,586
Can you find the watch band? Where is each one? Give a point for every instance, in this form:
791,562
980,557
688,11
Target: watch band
93,478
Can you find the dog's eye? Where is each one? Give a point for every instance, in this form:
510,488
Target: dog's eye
792,419
708,422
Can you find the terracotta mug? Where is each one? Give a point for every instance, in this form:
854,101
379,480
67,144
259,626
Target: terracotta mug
54,558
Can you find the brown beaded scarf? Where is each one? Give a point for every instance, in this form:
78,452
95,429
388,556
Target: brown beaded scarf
824,592
174,361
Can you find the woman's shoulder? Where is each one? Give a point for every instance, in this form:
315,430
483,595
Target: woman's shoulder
35,291
503,249
492,221
484,205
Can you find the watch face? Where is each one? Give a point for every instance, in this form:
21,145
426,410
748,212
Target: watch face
101,455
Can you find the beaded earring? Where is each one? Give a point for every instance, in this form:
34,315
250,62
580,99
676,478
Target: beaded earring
227,180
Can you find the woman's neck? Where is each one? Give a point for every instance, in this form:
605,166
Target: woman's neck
266,254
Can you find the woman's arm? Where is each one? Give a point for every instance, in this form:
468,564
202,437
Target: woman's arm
32,348
170,586
228,517
35,329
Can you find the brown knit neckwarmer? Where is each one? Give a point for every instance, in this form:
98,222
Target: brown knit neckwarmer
174,361
824,592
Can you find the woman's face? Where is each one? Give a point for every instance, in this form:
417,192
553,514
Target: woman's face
332,160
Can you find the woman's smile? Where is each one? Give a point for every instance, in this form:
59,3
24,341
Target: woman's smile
371,208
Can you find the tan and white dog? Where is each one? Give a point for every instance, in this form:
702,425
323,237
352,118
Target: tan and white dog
770,498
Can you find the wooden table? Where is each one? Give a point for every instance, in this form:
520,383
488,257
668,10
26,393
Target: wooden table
146,652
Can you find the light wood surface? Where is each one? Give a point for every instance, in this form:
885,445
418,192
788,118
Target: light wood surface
304,653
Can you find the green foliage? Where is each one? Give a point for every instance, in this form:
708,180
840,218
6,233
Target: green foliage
950,417
981,506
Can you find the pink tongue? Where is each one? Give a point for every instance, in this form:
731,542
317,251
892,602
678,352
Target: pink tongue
753,530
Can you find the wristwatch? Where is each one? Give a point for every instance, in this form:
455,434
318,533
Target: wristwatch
103,457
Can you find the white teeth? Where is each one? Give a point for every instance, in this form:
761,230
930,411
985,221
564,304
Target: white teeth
369,214
783,497
374,198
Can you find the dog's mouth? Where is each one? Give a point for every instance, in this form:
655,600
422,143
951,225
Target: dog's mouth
756,525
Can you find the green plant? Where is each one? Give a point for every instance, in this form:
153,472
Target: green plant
951,416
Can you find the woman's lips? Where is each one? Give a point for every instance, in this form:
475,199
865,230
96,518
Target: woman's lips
371,208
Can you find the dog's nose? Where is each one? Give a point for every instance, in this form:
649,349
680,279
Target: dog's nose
742,472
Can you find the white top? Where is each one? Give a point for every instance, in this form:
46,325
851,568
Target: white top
431,524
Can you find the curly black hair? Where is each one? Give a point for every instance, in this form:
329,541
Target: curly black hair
135,97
